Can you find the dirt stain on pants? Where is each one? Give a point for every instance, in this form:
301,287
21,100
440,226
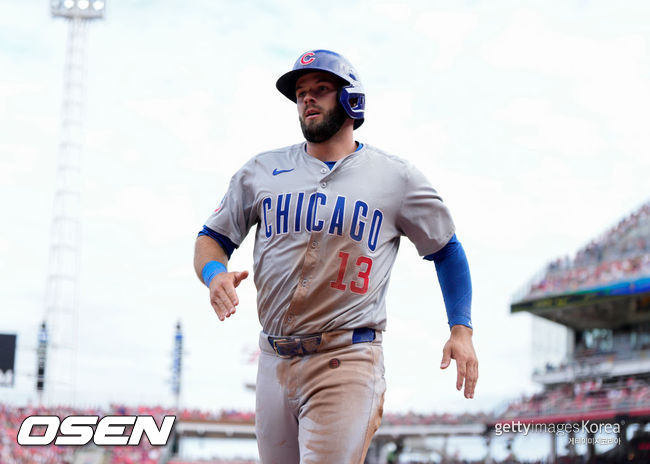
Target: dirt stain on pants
310,413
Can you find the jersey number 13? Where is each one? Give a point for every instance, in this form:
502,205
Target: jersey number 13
355,286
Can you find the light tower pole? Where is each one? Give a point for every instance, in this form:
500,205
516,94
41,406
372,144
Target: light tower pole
177,365
62,288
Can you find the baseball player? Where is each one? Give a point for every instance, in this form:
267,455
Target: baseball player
328,215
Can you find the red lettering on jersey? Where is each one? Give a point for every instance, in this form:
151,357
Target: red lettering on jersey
307,58
364,275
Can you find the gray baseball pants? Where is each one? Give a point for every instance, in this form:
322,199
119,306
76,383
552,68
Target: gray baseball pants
320,408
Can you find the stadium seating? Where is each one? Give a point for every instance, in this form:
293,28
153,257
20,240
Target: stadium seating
620,254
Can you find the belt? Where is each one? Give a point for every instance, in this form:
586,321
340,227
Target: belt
301,345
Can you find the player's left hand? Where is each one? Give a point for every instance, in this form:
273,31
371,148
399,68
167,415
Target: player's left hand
460,347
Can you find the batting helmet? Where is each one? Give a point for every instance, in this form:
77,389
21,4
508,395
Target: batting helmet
351,95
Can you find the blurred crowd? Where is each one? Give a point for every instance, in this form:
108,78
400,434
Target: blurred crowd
12,453
213,461
223,416
412,418
583,397
622,253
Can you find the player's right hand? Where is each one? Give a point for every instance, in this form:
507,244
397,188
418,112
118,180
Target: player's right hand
223,297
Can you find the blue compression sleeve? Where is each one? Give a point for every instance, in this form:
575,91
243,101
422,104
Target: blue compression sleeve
225,242
455,282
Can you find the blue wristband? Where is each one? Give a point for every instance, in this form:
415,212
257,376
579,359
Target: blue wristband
211,269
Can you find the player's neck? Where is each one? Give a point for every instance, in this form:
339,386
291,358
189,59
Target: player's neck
337,147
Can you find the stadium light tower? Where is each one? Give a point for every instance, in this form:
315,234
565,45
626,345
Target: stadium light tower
62,289
177,365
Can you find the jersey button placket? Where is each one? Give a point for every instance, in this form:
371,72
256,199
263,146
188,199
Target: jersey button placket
312,255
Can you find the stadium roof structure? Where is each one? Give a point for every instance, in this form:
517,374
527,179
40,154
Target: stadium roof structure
606,285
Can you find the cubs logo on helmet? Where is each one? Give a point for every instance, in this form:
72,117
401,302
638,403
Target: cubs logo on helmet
307,58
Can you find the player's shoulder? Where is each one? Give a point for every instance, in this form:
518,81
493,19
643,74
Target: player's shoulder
269,158
390,160
276,153
384,156
394,167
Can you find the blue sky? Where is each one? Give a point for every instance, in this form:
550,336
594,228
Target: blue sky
529,118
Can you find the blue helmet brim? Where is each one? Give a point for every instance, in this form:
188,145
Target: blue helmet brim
286,84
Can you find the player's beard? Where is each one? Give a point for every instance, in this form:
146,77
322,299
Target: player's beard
332,121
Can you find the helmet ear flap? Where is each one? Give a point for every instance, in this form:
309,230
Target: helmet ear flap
353,102
357,102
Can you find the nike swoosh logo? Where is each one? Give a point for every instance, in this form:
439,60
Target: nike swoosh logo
277,171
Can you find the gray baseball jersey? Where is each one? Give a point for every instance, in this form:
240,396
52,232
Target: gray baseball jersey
326,240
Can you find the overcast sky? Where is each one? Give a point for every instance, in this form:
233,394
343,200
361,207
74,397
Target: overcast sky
530,118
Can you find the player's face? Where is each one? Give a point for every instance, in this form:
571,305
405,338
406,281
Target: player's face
320,114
